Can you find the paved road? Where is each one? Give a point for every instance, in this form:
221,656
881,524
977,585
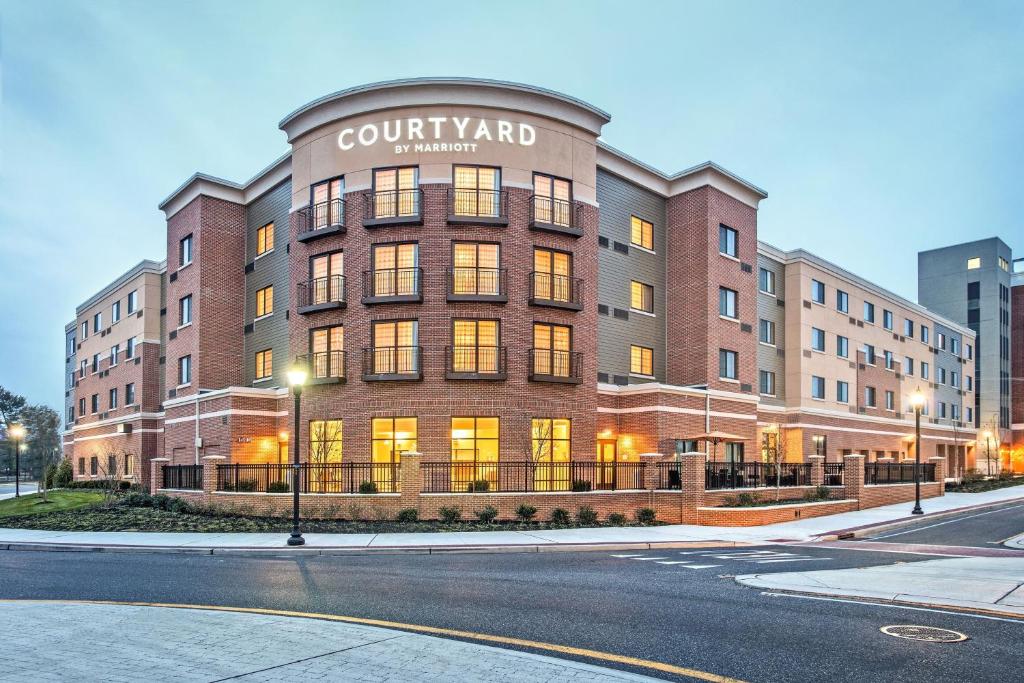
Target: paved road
680,607
986,528
7,488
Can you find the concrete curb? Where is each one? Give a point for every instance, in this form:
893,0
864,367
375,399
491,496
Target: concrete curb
1017,542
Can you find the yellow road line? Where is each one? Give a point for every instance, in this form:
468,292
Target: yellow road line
433,630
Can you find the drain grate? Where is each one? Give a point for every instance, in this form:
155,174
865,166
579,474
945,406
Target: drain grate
928,634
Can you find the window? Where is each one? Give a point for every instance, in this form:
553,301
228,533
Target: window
869,312
327,347
974,263
954,411
954,346
184,370
925,334
767,383
185,310
129,394
94,465
395,269
842,346
924,370
551,439
908,328
817,339
185,251
641,297
908,365
325,441
843,391
476,347
477,191
82,368
969,412
727,302
552,200
264,301
81,406
264,364
728,241
727,364
641,360
94,404
81,466
1004,264
817,292
766,281
552,277
890,400
842,301
475,269
115,350
941,340
326,272
767,332
869,354
95,363
954,379
968,352
475,451
113,398
817,387
85,330
395,347
392,436
325,198
641,233
71,415
97,321
129,465
264,239
869,397
969,382
396,192
552,350
887,319
129,351
940,409
115,312
889,359
133,301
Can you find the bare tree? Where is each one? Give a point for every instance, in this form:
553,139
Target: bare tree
111,469
324,448
991,454
773,450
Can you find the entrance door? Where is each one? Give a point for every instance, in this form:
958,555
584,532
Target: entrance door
606,457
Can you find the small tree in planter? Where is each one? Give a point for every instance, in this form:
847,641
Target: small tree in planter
773,451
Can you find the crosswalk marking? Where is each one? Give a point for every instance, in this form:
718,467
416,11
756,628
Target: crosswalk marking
627,555
700,566
674,562
750,556
793,559
645,559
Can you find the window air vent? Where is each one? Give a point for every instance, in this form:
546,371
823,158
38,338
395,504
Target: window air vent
895,336
108,330
173,277
780,302
807,354
745,327
861,366
807,304
860,323
620,380
138,360
163,359
288,315
621,314
602,309
621,248
163,311
139,314
853,321
103,333
250,267
603,242
172,393
746,388
173,334
746,268
248,329
602,377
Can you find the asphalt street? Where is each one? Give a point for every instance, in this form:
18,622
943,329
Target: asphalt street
982,528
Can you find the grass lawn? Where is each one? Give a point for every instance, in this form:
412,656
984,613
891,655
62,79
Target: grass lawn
32,504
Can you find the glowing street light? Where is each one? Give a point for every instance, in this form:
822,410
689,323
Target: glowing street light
917,400
17,433
297,375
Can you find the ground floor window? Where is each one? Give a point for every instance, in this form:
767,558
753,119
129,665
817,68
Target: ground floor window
94,465
734,452
551,439
474,453
324,441
390,436
129,465
81,465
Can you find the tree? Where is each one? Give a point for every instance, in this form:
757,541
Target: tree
324,448
111,470
11,405
990,441
773,450
42,425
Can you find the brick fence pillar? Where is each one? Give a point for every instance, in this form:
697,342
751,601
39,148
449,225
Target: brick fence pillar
411,478
210,463
156,473
692,468
940,472
853,478
817,469
650,462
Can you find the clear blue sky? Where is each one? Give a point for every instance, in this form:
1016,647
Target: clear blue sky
877,128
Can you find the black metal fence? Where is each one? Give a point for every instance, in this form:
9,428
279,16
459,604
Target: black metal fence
183,477
394,204
551,288
473,203
339,477
475,281
736,475
549,211
324,365
321,290
833,474
529,477
555,365
896,473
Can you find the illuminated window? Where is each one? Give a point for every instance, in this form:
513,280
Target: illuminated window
474,453
552,353
552,200
264,239
264,364
551,438
326,272
325,198
641,297
552,276
325,439
477,191
641,360
974,263
395,349
326,348
265,301
396,192
395,269
641,233
475,346
475,268
391,436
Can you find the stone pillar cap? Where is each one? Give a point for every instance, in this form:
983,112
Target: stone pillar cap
413,454
854,455
214,457
651,455
815,457
159,459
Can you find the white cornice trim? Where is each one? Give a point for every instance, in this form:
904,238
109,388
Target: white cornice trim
657,387
676,409
133,273
117,420
835,414
227,412
246,392
113,434
855,430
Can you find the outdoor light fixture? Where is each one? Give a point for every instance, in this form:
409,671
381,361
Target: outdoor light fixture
17,433
917,402
297,375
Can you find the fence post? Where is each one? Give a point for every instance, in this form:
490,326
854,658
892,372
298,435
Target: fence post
853,477
940,472
210,463
817,469
411,478
692,468
156,472
649,462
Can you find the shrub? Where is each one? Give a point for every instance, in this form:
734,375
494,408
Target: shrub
617,519
246,485
179,505
746,499
408,515
525,512
278,487
822,492
138,500
488,514
560,517
645,516
64,475
355,511
368,487
478,486
160,501
124,485
449,515
586,516
580,485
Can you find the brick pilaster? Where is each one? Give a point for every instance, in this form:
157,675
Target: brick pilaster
691,472
817,469
156,473
210,463
411,479
940,473
650,462
853,478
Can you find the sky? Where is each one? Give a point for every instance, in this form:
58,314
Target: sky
878,129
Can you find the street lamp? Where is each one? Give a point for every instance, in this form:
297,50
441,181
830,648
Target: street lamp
917,401
296,378
17,432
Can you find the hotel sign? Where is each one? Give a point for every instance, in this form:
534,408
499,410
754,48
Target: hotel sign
437,134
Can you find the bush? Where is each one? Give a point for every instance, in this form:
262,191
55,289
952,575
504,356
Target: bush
246,485
746,499
586,516
368,487
478,486
560,517
580,485
525,512
822,492
138,500
64,475
180,506
408,515
124,485
645,516
449,515
488,514
617,519
278,487
160,501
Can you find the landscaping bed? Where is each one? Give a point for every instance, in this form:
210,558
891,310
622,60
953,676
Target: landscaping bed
975,484
748,500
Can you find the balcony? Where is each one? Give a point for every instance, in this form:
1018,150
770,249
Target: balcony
477,284
321,294
392,286
477,207
325,367
556,291
393,207
548,365
554,215
476,362
392,363
321,220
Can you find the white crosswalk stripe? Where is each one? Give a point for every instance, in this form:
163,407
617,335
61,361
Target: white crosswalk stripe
695,556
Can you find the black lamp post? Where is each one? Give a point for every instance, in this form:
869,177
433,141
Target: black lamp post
17,433
917,400
296,378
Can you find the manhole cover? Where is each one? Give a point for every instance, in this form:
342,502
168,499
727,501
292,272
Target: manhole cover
928,634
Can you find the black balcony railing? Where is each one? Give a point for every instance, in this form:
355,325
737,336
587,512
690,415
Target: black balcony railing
489,207
324,367
392,363
393,207
833,473
558,291
477,284
896,473
321,219
321,294
480,476
548,365
553,215
738,475
183,477
476,362
332,477
392,285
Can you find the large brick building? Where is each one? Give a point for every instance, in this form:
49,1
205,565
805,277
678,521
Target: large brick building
468,271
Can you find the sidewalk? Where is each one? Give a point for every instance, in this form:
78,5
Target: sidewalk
522,541
977,583
87,642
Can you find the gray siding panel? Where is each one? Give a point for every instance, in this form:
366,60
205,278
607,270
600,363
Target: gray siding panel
768,308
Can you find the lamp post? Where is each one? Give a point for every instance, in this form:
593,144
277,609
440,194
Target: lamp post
917,401
296,378
17,433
